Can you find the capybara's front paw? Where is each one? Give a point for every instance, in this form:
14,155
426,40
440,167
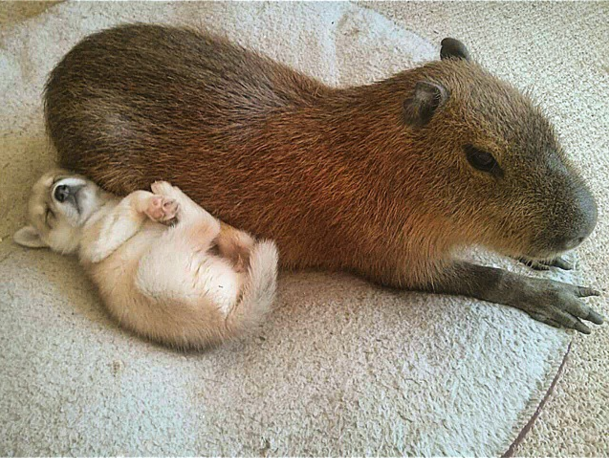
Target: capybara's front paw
557,304
560,263
162,209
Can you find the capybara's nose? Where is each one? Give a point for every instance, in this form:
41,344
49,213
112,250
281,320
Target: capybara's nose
584,219
62,192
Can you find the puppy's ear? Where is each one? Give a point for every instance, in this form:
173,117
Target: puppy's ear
29,237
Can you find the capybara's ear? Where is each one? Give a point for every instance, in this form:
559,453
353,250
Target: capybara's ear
453,49
427,98
29,237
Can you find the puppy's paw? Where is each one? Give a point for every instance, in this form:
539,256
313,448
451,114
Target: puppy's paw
162,188
162,209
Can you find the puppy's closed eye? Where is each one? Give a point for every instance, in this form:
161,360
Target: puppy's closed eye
49,216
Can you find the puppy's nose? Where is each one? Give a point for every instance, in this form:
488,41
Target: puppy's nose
62,192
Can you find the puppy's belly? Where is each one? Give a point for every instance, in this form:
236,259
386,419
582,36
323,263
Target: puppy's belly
167,270
206,278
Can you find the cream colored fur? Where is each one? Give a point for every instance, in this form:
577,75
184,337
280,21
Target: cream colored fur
164,283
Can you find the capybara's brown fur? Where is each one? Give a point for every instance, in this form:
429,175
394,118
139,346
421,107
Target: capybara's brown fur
387,180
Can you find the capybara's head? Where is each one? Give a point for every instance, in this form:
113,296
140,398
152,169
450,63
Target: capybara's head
497,173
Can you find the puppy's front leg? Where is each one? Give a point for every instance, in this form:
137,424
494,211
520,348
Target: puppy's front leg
126,219
233,244
190,211
193,220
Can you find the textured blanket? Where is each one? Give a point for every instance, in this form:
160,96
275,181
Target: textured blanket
341,367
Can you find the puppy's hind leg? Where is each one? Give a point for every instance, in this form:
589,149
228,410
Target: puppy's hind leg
235,245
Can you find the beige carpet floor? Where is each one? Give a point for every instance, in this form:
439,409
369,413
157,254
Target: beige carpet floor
342,367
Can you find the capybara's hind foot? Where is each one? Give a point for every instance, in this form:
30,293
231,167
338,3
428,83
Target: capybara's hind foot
162,209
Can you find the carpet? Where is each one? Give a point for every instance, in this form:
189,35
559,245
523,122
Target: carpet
342,367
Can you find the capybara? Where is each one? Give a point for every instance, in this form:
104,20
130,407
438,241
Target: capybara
388,180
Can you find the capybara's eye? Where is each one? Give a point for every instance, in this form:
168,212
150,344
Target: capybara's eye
479,159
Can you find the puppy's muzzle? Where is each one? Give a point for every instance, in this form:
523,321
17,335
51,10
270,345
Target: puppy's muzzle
64,193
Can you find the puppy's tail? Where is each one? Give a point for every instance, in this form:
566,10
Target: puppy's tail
259,290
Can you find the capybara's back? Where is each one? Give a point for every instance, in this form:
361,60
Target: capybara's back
136,89
139,103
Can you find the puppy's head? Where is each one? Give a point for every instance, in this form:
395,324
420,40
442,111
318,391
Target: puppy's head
59,206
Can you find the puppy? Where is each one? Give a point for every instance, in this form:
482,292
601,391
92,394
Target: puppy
166,269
